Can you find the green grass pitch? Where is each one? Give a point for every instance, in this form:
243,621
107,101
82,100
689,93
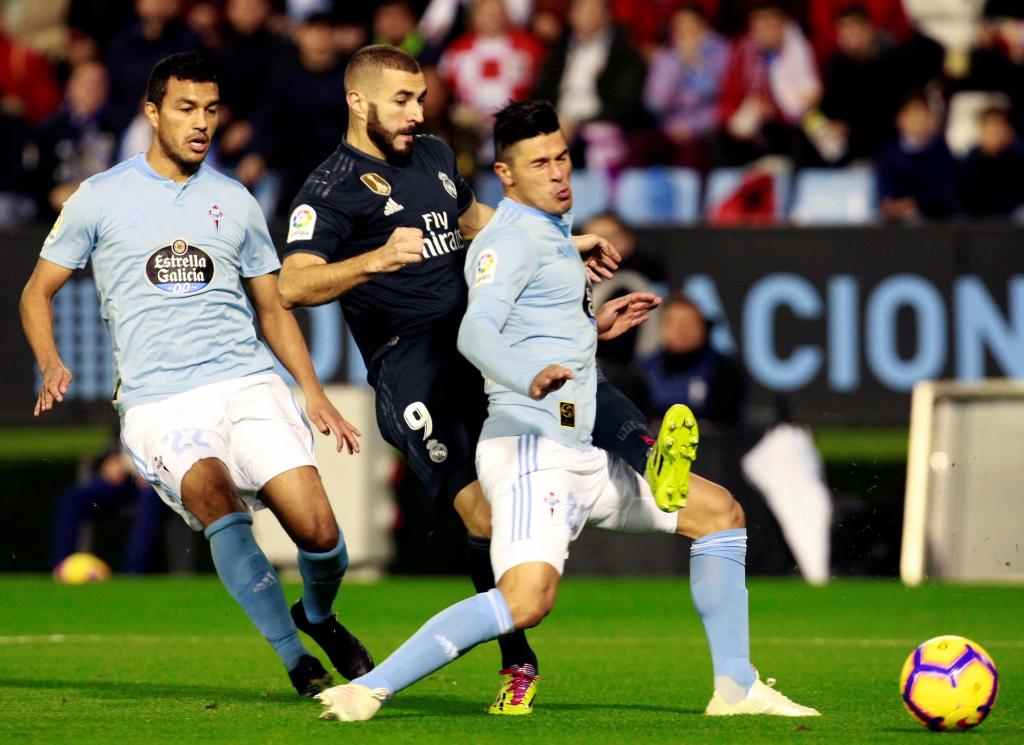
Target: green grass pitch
167,660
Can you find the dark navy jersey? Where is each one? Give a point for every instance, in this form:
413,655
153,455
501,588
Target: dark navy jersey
353,202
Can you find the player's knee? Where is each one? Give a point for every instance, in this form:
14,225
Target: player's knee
319,536
530,611
722,512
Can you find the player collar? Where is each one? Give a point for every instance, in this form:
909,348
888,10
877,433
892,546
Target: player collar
563,222
142,166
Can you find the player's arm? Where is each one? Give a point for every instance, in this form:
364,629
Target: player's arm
497,276
474,218
600,257
283,336
37,320
619,315
309,279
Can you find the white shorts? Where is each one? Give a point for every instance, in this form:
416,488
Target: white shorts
252,424
542,494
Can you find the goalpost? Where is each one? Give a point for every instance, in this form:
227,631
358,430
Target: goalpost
963,514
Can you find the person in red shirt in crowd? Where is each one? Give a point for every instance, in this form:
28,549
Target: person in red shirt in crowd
771,83
28,88
488,66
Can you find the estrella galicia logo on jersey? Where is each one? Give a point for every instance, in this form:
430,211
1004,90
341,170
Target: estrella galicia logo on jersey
376,183
448,184
180,269
301,223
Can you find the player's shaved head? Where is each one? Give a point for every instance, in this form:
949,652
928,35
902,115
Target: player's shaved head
367,65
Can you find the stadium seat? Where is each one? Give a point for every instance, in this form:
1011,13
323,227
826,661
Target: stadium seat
658,196
844,196
723,182
592,194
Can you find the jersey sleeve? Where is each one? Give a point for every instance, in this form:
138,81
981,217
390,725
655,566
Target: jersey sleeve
258,256
317,226
465,192
462,189
73,236
497,273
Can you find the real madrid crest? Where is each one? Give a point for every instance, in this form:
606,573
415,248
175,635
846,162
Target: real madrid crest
448,184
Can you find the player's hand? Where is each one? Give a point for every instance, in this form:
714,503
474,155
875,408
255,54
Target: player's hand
56,381
551,378
618,316
599,256
404,246
326,418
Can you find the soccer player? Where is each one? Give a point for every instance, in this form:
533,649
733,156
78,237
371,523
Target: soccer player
176,249
381,225
531,332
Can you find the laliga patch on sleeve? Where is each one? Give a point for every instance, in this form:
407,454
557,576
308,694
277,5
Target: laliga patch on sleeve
301,223
486,265
55,229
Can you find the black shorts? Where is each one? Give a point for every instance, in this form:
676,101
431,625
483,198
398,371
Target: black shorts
431,406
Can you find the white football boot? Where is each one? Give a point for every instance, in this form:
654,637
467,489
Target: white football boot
761,699
352,702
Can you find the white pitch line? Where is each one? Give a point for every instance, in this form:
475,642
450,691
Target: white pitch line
108,638
768,641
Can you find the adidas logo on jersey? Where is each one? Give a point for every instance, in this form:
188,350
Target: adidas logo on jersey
392,207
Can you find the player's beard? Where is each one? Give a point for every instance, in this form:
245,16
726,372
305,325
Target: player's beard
384,138
188,167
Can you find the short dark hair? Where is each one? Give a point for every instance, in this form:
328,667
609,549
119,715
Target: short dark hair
183,66
995,111
377,58
521,121
854,12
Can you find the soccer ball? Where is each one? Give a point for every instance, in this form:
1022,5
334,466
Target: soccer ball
949,683
80,569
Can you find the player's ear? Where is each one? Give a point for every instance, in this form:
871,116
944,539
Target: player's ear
504,173
356,104
151,112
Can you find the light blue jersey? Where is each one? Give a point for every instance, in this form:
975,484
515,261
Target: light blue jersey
168,259
530,307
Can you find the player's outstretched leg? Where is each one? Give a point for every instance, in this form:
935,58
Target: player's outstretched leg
252,582
442,639
313,613
620,427
668,465
718,587
518,660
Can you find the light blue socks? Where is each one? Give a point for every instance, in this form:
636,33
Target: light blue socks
718,586
446,636
253,583
321,577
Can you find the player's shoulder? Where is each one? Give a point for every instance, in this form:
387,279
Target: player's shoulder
434,145
336,174
222,179
500,237
111,178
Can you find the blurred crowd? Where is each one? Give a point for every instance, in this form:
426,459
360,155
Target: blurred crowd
928,93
